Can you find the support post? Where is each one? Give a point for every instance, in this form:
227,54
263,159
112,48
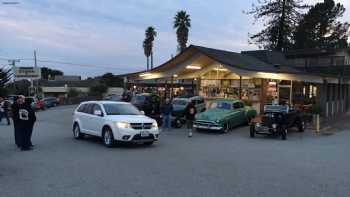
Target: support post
172,87
240,87
291,93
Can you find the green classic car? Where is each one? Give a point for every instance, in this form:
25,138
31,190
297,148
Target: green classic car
223,115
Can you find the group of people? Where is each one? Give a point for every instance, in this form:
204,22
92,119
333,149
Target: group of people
23,117
166,110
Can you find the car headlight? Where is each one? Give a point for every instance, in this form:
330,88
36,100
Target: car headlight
122,125
154,125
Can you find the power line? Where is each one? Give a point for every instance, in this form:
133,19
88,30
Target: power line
68,63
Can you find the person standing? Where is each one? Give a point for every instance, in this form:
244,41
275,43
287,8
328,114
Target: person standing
30,124
190,114
19,100
23,118
4,110
166,111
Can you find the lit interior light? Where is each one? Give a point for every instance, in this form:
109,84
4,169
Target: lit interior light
221,69
268,75
194,67
175,75
145,74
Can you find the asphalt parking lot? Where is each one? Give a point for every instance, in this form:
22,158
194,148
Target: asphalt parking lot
206,165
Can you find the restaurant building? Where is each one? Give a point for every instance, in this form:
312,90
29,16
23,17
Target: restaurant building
256,77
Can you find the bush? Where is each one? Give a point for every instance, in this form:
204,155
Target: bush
98,90
73,93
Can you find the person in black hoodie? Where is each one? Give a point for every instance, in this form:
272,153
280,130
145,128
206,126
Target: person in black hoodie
190,114
19,100
24,119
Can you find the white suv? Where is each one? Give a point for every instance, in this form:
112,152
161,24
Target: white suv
114,121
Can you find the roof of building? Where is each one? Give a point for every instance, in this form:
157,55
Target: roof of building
268,56
243,61
313,52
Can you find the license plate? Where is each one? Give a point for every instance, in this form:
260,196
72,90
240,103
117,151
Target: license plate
144,133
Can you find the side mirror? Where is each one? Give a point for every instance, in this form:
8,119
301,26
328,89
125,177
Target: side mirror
98,113
142,112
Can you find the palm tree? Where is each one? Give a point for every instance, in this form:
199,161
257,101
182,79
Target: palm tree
182,23
147,51
150,34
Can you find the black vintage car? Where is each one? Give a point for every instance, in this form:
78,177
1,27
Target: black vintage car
148,103
276,120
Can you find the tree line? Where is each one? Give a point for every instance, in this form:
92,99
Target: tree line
292,24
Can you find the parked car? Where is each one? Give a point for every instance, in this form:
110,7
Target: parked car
50,102
35,103
179,106
113,122
276,121
224,114
149,103
114,97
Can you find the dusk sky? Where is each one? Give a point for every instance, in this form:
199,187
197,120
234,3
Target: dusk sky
108,34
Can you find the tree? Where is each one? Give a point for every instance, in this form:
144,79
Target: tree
281,18
182,24
150,34
98,90
5,76
48,73
319,27
111,81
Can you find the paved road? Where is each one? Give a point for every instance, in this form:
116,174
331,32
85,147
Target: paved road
206,165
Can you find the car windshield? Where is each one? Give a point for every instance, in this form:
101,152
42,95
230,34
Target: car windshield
121,109
179,102
220,105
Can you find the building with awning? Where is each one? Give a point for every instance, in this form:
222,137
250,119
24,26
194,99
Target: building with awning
218,73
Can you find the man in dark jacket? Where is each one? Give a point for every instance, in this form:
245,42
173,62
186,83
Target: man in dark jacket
19,100
166,109
190,114
23,118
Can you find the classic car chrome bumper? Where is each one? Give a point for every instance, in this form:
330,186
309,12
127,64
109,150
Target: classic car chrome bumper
206,125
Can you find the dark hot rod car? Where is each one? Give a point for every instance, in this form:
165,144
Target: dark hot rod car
276,120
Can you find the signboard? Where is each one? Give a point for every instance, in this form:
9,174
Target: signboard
27,73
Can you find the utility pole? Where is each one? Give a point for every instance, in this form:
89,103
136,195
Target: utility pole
36,86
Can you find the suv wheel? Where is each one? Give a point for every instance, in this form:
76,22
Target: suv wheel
252,130
76,132
301,126
108,138
178,123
